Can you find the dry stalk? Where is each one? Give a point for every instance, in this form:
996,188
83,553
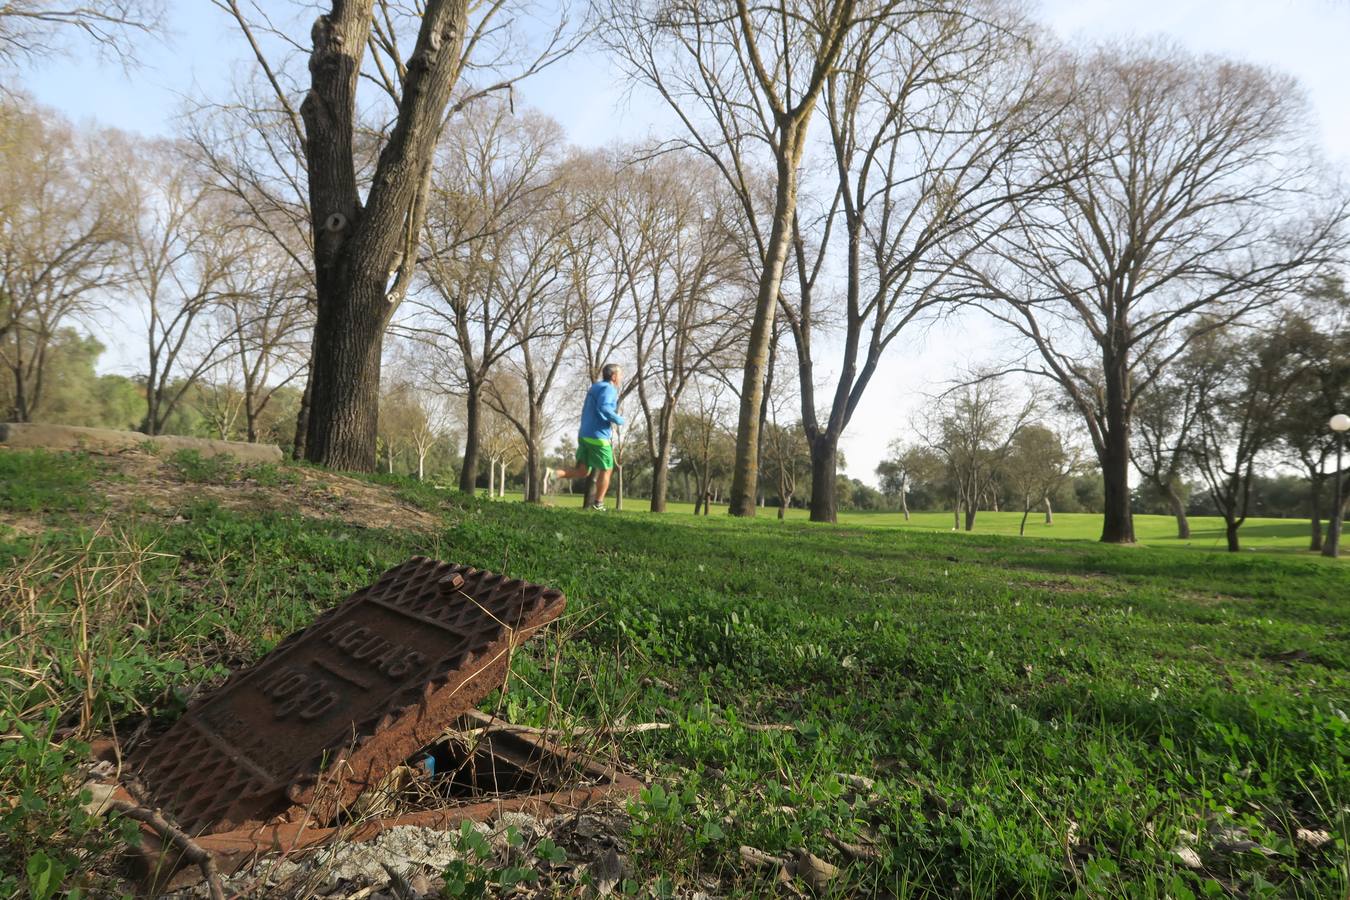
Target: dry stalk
192,851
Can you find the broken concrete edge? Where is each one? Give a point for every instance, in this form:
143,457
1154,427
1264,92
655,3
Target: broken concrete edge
33,436
161,867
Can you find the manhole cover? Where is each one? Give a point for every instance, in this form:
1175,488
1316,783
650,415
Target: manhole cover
335,707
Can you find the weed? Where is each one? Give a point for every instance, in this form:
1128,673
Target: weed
478,870
195,468
34,480
46,833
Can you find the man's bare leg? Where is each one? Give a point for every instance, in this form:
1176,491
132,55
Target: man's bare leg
579,472
601,485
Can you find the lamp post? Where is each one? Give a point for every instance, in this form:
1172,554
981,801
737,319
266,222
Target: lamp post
1340,424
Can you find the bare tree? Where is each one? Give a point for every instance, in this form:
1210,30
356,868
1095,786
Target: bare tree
60,228
250,153
180,251
665,240
265,311
1164,425
924,113
366,247
974,427
1184,193
491,175
744,80
701,439
531,269
39,29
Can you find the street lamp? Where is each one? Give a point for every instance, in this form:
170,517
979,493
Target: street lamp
1340,424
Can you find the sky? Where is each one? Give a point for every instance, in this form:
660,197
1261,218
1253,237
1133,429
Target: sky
589,97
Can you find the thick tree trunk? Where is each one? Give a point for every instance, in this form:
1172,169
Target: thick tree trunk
1179,513
956,515
1231,533
970,516
1049,512
421,465
348,344
1114,455
824,463
745,473
473,409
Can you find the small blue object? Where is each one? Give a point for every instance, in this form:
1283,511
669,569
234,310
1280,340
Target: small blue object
429,763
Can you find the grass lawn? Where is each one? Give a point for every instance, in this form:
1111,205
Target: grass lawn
998,716
1207,532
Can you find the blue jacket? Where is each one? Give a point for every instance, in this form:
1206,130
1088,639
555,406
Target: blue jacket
599,411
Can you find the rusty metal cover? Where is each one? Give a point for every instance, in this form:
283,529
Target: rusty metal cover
338,705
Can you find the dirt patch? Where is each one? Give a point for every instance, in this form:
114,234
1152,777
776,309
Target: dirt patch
1060,585
134,481
1210,598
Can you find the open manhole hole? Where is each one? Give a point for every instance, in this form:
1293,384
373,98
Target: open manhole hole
361,722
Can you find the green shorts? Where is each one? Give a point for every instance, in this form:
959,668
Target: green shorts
595,453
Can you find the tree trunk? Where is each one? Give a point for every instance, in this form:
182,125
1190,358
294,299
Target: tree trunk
1114,455
904,502
302,415
970,516
473,408
1315,501
533,491
661,477
1026,511
492,477
745,473
956,515
1049,512
348,343
1179,513
421,464
1231,532
824,478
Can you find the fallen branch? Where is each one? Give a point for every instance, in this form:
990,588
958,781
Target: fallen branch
192,851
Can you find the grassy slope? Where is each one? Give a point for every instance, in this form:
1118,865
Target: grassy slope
1041,717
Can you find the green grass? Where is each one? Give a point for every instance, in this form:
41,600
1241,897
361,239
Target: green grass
1041,717
1207,532
35,480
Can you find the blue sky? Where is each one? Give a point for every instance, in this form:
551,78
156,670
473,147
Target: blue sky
1305,38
